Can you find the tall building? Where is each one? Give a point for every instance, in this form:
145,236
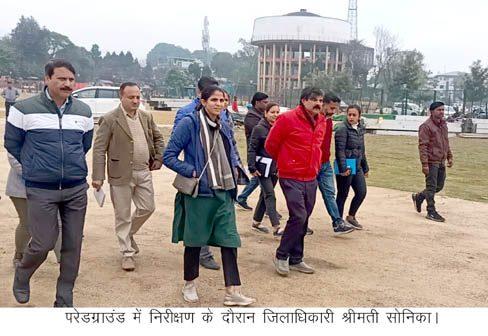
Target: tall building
291,44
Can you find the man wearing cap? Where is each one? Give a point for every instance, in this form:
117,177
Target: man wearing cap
434,152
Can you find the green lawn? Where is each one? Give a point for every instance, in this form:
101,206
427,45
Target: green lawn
394,163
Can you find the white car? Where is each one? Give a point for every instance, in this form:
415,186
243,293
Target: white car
412,109
448,110
101,99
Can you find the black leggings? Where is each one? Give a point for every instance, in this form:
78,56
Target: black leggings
229,263
267,200
358,184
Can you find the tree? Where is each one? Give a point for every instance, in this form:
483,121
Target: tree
176,80
359,62
223,64
206,71
337,82
408,72
82,61
476,84
195,71
57,42
245,67
386,48
95,51
31,44
162,51
7,58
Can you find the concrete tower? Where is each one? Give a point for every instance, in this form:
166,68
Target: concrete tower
352,18
206,40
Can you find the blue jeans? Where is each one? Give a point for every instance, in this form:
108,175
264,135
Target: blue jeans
248,189
326,186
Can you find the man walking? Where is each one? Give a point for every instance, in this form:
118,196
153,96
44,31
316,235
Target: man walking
49,135
252,118
207,259
295,142
434,152
132,145
326,174
10,95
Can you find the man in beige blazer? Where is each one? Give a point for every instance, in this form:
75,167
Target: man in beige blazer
131,145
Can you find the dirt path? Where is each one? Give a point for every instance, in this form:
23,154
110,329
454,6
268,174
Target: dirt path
400,259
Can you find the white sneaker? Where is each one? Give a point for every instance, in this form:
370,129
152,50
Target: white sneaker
190,292
302,267
237,299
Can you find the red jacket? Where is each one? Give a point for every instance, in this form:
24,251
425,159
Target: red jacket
296,145
327,140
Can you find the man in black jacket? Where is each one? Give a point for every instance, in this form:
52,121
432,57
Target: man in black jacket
255,114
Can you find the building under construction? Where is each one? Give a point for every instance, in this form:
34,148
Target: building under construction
293,44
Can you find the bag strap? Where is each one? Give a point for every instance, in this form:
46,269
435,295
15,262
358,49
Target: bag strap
209,155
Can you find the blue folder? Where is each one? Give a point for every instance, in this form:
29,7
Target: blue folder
350,163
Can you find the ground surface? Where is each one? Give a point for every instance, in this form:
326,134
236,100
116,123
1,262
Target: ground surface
400,259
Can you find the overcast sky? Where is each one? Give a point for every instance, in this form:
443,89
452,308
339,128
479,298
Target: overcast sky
450,33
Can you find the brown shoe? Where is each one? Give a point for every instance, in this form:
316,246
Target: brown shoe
128,264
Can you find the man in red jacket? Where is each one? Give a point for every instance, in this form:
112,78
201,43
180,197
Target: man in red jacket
295,142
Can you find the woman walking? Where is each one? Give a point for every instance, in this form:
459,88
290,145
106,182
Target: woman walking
263,167
15,189
208,216
351,163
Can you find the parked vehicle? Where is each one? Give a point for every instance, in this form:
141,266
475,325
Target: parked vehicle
411,109
101,99
449,111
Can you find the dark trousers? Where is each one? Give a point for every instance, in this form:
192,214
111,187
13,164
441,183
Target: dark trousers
229,264
42,208
300,200
434,182
358,184
267,200
7,108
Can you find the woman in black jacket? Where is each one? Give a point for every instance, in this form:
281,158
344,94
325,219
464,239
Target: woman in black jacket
351,162
262,166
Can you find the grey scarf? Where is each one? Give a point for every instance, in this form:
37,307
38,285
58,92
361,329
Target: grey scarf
219,172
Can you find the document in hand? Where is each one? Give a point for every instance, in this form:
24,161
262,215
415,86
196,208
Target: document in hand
267,162
99,196
350,163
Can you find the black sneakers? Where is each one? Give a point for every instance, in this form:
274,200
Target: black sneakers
243,205
341,227
417,203
278,232
434,216
259,227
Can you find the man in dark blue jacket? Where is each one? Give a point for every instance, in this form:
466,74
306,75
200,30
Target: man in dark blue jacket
49,134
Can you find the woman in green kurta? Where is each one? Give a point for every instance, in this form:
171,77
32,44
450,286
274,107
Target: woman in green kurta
209,218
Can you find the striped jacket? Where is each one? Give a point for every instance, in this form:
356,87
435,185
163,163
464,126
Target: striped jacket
50,146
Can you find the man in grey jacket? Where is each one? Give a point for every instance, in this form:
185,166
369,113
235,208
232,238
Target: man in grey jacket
10,95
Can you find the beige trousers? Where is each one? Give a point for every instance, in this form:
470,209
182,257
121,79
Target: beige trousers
140,191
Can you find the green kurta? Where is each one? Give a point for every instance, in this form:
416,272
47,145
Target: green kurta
205,221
